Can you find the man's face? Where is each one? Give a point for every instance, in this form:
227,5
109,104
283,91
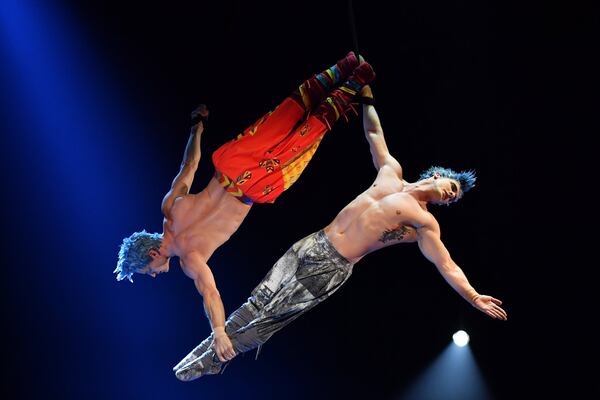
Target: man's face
158,265
446,190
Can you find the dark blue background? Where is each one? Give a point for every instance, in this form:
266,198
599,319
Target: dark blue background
95,117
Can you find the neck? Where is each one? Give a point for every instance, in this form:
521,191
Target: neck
420,191
166,247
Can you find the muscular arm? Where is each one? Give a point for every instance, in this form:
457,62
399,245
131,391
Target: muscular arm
374,134
183,181
198,270
433,249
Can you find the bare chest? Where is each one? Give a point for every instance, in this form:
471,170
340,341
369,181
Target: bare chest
390,219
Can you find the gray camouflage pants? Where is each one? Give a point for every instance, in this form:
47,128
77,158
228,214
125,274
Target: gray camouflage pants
308,273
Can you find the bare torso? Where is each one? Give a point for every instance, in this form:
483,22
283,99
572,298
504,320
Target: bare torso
202,222
383,215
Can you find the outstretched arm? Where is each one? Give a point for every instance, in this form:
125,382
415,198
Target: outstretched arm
374,133
183,181
434,250
198,270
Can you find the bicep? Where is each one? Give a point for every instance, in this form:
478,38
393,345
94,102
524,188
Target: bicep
431,246
394,164
179,187
205,282
381,154
185,177
200,272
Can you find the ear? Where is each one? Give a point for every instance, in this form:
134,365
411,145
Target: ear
153,253
436,175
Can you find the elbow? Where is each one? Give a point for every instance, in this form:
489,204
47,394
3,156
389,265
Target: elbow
373,132
211,294
207,292
191,164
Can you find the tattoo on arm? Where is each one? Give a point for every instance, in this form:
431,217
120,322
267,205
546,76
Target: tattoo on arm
397,233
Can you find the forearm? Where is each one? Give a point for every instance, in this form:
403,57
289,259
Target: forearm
216,315
192,152
374,134
377,145
213,306
371,121
456,278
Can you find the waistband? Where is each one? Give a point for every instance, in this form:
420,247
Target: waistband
321,238
231,188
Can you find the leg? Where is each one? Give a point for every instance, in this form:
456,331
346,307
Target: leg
239,318
286,115
338,103
282,165
324,116
264,166
309,273
278,312
277,277
314,90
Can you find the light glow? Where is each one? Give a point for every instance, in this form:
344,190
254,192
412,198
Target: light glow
460,338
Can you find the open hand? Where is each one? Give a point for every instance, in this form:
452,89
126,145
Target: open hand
490,306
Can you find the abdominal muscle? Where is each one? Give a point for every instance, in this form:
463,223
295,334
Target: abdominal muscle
366,225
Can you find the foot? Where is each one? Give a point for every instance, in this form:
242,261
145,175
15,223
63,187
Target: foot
194,354
207,364
363,74
346,65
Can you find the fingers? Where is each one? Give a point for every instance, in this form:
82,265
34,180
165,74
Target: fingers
504,314
230,354
494,314
221,356
225,353
200,110
499,310
497,313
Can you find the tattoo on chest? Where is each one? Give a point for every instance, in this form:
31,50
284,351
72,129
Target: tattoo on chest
397,233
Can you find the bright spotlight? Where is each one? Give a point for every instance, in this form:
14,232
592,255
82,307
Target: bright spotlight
461,338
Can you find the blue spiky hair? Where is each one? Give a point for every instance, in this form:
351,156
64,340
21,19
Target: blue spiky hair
133,254
465,178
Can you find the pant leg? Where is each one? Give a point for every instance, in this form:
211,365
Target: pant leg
239,318
202,360
319,272
282,166
303,278
339,101
314,90
285,162
251,156
250,336
279,122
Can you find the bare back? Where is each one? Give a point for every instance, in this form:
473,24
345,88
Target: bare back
202,222
381,216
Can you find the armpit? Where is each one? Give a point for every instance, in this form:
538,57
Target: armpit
400,232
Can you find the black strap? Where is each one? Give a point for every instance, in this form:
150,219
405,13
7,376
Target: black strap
365,100
353,27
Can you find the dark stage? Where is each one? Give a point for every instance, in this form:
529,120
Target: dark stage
95,124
